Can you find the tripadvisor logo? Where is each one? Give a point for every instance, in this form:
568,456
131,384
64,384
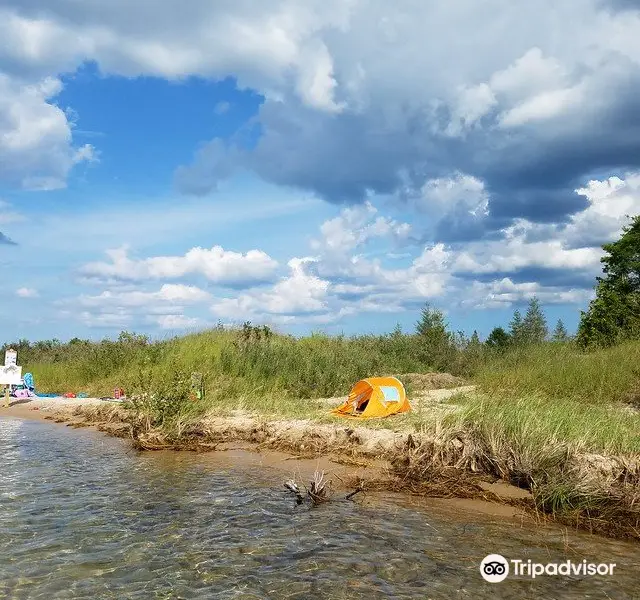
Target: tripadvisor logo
495,568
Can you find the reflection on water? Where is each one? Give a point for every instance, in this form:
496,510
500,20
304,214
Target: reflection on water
81,516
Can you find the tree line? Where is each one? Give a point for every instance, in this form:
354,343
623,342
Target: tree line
613,315
530,329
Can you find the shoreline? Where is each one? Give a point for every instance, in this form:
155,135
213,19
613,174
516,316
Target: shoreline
37,409
450,469
351,456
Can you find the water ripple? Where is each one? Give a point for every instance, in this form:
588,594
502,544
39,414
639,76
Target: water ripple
83,517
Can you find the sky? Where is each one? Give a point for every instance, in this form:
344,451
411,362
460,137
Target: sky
327,165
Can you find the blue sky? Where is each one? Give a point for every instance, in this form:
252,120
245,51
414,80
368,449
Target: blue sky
328,166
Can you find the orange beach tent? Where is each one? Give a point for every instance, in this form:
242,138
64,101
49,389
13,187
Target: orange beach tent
375,397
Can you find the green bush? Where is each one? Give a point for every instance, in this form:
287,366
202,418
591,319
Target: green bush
161,395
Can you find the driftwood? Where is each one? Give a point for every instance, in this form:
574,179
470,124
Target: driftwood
317,492
352,494
292,486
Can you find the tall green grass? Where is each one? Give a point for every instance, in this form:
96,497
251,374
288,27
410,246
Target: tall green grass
561,371
324,366
532,424
310,367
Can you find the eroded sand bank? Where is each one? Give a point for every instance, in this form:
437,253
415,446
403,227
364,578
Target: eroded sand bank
349,454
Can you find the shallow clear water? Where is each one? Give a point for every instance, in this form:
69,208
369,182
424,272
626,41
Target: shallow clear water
81,516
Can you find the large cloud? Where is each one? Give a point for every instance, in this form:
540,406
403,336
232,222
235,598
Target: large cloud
366,96
266,47
216,264
261,43
529,105
36,149
350,271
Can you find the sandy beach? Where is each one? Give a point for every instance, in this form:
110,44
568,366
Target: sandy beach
40,408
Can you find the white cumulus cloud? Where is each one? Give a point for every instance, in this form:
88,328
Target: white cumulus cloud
296,294
36,147
216,264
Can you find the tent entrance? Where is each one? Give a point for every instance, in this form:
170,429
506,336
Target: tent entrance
363,406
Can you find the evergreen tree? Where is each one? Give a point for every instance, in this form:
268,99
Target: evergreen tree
560,332
498,339
534,325
515,328
437,346
473,352
432,324
614,314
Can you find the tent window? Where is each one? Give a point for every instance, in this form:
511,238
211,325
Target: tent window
390,393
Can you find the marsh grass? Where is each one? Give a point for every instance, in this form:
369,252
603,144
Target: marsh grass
533,423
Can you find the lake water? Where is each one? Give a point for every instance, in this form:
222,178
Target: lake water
82,516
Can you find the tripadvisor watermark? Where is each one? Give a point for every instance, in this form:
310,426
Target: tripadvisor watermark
495,568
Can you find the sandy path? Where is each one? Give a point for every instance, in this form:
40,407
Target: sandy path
40,408
441,395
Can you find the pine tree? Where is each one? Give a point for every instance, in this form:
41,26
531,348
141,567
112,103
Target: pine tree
498,339
473,352
534,325
432,324
560,332
515,328
437,347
